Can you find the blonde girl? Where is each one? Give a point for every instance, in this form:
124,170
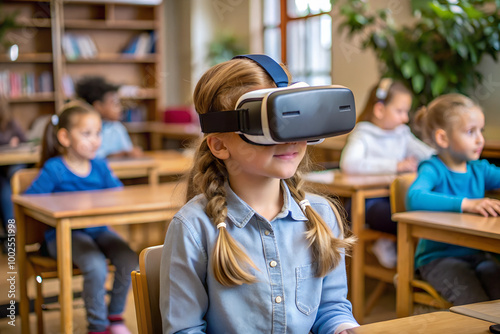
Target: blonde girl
247,254
68,164
455,180
382,143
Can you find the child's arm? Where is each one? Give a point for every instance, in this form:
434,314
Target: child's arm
110,180
183,298
335,311
422,197
417,148
485,206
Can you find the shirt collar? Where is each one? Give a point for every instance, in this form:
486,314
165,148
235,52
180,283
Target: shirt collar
240,212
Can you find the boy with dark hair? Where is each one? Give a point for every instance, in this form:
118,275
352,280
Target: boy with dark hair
103,96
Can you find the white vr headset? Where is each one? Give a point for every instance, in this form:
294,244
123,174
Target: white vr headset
287,113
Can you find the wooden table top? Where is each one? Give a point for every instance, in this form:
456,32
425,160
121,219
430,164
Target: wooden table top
25,154
453,221
357,182
429,323
109,201
488,311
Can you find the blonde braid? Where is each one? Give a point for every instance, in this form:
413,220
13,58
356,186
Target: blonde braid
325,247
230,263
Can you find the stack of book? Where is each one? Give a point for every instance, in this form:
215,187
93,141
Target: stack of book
16,84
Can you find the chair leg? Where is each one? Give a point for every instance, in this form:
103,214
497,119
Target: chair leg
38,305
374,296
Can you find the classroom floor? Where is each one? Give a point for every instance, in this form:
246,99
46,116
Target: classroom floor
385,309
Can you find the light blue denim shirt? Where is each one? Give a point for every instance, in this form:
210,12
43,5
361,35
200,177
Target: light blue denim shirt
287,297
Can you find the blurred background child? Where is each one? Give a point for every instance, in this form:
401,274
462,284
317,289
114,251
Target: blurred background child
455,180
68,163
382,143
103,96
11,135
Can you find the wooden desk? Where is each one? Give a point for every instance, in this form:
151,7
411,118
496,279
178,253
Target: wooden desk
491,149
429,323
24,155
461,229
359,188
68,211
488,311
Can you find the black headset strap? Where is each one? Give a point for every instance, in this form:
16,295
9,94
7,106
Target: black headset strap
274,69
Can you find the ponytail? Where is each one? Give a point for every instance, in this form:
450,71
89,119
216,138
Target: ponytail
50,144
325,247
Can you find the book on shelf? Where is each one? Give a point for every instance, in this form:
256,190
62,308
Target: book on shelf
141,45
16,84
68,86
76,46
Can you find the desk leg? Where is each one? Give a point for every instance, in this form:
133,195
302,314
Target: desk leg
65,266
24,302
358,256
404,292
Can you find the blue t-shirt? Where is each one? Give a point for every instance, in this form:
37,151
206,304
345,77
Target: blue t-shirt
56,177
439,189
115,139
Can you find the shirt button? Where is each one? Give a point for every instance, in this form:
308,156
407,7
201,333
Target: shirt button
273,264
278,299
266,232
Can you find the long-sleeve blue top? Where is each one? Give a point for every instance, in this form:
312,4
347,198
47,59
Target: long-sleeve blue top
56,177
437,188
287,297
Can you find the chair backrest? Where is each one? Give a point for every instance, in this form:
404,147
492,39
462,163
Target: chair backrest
22,179
19,182
146,287
399,188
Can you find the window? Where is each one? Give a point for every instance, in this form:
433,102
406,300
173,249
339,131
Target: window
299,33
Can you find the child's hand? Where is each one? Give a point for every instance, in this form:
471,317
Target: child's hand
14,141
407,165
484,206
135,153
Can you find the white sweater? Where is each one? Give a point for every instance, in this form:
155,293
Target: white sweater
372,150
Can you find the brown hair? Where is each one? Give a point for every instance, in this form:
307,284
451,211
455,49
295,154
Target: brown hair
441,113
383,92
50,144
219,89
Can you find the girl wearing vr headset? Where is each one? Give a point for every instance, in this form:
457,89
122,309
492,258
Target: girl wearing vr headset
382,143
252,252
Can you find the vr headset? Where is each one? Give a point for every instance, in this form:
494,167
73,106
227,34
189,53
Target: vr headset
287,113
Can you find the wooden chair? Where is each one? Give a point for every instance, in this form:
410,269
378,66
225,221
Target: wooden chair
44,267
146,288
423,293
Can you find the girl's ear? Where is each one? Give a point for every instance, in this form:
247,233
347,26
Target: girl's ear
63,137
218,147
441,138
378,110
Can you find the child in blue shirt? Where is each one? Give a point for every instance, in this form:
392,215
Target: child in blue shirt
103,96
68,164
247,254
455,180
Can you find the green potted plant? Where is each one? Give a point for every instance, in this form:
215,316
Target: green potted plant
7,22
224,47
439,52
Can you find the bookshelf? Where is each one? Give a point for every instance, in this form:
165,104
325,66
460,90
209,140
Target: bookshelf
69,39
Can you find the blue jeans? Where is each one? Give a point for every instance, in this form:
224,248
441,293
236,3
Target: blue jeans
6,206
466,279
90,251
